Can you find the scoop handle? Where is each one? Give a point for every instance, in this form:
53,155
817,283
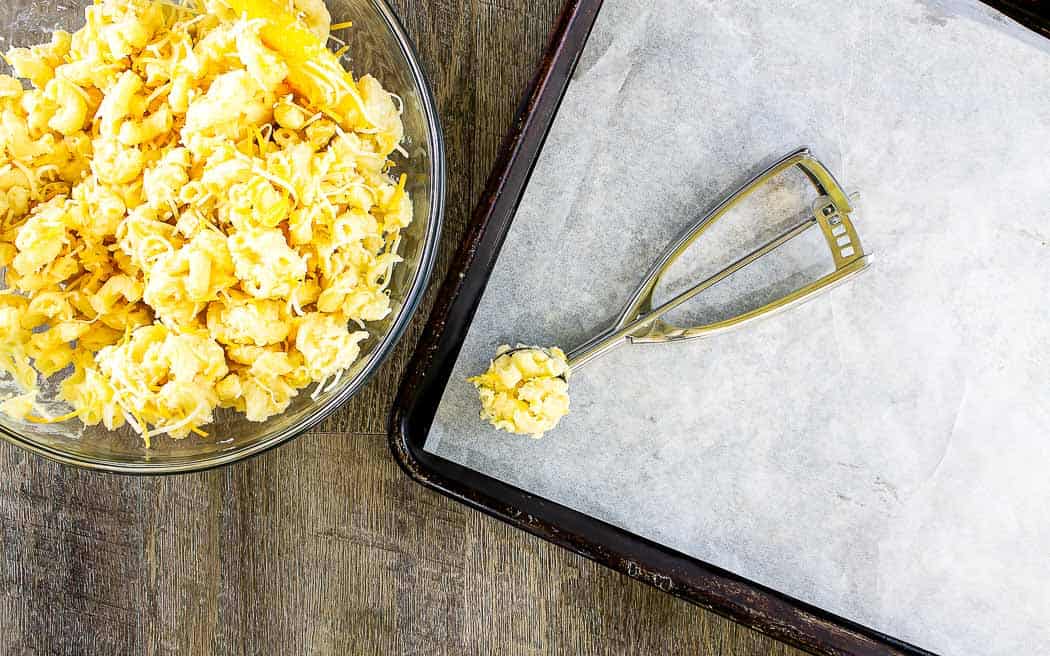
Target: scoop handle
639,322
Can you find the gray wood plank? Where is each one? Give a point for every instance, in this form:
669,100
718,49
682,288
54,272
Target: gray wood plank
321,547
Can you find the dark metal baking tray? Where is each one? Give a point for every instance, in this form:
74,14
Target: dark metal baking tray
683,576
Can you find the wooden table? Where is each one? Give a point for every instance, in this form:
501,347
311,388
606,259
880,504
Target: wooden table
324,546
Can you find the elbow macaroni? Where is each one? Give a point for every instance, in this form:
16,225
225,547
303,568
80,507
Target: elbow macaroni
525,390
195,206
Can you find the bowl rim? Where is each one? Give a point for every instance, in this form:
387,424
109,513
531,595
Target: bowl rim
416,291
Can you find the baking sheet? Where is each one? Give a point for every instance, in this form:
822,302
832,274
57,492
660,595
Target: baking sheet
879,452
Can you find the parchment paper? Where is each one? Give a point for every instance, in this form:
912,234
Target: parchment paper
881,452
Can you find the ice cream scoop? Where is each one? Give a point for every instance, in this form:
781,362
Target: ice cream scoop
525,390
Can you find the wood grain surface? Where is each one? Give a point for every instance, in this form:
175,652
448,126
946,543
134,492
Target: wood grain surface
324,546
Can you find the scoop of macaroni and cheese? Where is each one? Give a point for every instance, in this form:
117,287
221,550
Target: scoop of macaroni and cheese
525,390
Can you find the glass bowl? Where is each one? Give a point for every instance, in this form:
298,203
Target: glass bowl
379,46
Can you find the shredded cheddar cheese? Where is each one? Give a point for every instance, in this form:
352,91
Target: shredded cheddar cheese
525,390
196,206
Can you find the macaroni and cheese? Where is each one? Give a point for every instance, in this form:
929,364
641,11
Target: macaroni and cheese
525,390
196,212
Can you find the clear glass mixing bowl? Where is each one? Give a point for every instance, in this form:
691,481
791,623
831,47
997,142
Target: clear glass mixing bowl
378,45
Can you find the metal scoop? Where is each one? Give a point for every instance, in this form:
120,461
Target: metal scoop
641,323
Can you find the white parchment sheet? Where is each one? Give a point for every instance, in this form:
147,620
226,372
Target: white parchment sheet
881,452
